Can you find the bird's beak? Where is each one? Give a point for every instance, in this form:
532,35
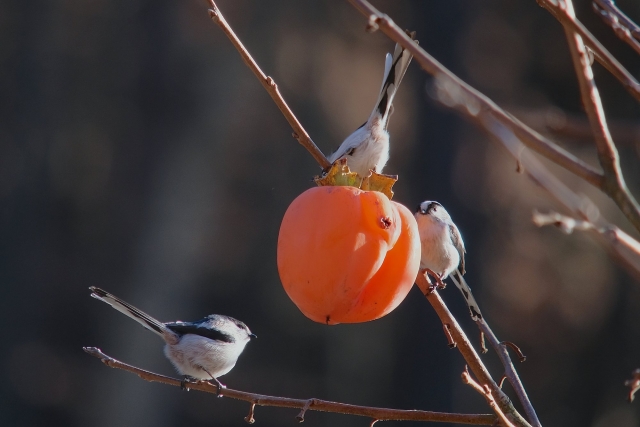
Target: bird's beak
253,336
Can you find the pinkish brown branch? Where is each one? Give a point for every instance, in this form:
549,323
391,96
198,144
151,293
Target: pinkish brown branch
509,370
623,246
486,392
468,352
614,184
480,103
627,30
633,384
303,404
602,55
270,85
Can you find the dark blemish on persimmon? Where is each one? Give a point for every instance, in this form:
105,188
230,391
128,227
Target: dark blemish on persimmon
386,222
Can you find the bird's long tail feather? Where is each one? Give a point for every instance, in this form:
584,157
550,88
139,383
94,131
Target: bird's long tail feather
394,70
136,314
461,284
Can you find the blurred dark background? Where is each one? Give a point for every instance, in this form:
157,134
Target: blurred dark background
139,154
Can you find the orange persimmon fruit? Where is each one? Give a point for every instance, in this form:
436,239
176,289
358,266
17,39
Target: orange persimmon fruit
346,255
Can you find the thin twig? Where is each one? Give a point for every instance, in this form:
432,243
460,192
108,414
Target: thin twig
512,346
622,26
486,392
270,85
614,183
285,402
623,246
250,417
602,55
480,102
468,352
633,384
576,128
626,248
510,371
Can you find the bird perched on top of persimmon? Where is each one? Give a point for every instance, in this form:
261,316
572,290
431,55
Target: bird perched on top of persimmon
443,249
368,147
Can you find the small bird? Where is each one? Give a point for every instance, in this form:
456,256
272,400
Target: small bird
201,350
443,249
368,147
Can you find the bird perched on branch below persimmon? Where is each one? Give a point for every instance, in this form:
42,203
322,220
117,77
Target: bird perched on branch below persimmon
201,350
443,249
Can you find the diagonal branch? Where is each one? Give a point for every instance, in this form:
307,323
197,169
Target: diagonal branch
623,246
468,352
270,85
614,183
602,55
486,392
456,93
510,371
622,26
304,404
480,102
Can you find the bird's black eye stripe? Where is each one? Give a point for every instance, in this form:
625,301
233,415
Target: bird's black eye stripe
433,206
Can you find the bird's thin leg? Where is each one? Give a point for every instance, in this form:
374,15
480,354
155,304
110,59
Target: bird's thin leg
186,379
439,283
218,383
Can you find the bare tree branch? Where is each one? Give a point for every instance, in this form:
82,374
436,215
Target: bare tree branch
510,371
270,85
614,183
623,246
602,55
486,392
304,404
455,93
633,384
622,26
468,352
478,101
576,128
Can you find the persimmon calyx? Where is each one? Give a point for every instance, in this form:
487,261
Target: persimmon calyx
340,175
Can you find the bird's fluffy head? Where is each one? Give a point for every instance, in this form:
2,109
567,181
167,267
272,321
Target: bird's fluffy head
433,209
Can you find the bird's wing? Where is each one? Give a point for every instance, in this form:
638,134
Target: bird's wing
456,239
136,314
350,144
197,328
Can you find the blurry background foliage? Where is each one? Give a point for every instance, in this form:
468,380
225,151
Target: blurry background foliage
138,154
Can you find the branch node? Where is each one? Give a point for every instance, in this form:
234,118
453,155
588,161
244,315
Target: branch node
372,25
271,82
633,384
249,418
214,12
512,346
300,416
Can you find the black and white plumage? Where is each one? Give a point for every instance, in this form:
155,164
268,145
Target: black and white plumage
205,349
443,249
368,147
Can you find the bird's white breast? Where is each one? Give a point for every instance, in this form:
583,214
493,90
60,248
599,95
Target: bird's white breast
438,252
194,352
